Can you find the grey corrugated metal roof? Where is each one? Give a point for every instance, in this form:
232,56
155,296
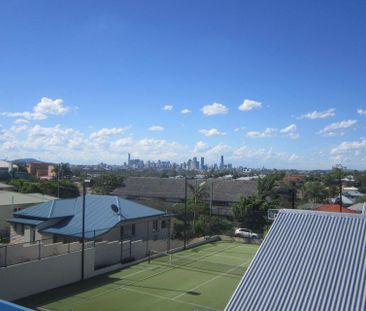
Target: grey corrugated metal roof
308,261
170,188
17,198
98,214
25,221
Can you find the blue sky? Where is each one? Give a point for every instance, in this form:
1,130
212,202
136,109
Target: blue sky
87,81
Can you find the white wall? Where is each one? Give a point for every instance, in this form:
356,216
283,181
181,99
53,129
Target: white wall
34,277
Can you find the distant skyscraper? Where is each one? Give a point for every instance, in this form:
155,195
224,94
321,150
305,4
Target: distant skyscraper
222,163
129,160
202,163
195,163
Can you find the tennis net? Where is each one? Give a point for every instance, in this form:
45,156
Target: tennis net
197,263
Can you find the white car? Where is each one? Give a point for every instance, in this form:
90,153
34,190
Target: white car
246,233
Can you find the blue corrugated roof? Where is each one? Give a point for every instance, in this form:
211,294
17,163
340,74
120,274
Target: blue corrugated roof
98,214
308,261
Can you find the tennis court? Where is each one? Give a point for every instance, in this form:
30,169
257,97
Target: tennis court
201,278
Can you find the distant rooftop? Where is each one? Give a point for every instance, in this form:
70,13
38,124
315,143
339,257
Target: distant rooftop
17,198
169,188
333,208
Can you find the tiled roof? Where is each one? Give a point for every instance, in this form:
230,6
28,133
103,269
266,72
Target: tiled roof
308,261
335,208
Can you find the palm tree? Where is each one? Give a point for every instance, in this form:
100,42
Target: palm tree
198,200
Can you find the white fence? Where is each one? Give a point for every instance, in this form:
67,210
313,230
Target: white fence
28,273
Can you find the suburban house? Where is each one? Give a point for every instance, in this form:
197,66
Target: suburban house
221,193
308,261
107,218
11,202
6,169
41,170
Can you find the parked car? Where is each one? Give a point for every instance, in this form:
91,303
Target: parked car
246,233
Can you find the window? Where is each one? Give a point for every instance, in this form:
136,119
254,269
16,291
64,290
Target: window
155,225
164,224
32,234
121,231
133,229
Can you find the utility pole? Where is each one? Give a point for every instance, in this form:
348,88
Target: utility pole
185,212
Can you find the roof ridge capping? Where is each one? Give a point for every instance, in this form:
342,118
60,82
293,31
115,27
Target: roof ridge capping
320,213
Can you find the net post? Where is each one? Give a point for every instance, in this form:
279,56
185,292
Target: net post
149,257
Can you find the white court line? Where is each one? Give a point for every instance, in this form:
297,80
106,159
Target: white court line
210,280
171,299
227,256
82,300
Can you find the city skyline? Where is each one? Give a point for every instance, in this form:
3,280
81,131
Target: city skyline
265,85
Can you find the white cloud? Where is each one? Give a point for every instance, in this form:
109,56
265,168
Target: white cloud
293,157
106,132
42,110
249,104
214,109
200,146
21,121
319,114
48,106
168,107
26,114
361,112
348,146
289,129
156,128
185,111
268,132
211,132
336,126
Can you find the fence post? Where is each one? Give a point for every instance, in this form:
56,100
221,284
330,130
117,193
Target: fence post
169,233
39,249
147,238
121,249
94,239
130,248
6,256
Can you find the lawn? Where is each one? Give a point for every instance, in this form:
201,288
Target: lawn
201,278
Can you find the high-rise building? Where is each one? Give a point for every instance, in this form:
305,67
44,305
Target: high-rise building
202,163
222,163
129,160
195,163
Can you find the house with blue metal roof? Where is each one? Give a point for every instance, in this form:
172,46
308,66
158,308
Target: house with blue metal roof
106,218
308,261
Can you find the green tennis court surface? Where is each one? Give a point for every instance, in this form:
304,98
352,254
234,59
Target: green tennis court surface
201,278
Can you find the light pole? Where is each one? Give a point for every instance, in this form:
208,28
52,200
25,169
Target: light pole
185,212
85,183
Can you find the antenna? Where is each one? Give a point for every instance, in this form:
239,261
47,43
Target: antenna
115,208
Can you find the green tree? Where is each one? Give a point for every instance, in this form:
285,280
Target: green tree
107,182
314,191
251,212
197,203
266,185
62,170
